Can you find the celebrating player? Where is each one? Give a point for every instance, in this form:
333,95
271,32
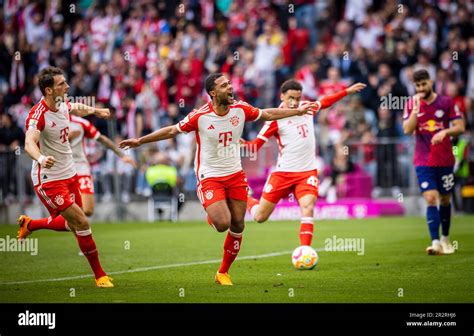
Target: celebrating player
296,167
53,173
428,116
222,185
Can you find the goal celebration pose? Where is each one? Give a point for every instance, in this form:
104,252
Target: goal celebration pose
222,185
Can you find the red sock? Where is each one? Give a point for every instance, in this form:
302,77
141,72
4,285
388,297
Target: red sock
306,231
56,224
251,203
88,248
231,249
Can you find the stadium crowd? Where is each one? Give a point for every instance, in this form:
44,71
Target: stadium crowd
147,59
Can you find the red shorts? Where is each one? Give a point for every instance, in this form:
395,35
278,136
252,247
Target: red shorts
86,186
57,196
281,184
213,189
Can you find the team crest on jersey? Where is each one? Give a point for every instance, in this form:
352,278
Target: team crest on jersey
439,113
268,188
59,200
209,194
234,121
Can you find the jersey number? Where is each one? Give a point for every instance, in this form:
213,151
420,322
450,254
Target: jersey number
86,183
448,181
313,181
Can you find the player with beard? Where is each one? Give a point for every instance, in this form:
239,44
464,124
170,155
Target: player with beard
222,185
434,119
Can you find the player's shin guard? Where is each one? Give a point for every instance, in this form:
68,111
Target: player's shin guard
445,215
231,249
433,218
56,224
306,231
89,249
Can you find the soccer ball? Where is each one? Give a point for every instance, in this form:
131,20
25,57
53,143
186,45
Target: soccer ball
304,257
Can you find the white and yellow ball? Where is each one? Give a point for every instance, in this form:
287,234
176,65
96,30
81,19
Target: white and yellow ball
304,257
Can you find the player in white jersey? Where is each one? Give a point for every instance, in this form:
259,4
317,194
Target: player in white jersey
53,173
222,185
295,170
82,129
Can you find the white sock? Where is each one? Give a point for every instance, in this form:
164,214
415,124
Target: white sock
435,242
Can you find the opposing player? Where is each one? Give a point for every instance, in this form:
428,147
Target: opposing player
296,167
222,185
53,173
434,119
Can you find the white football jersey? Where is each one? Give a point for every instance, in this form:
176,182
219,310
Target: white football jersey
296,141
218,138
54,128
86,131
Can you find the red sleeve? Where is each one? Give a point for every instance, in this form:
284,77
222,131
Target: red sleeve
251,113
190,122
331,99
454,111
35,119
69,106
90,132
268,130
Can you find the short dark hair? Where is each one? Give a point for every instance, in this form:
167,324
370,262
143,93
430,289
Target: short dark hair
46,78
291,84
210,82
421,75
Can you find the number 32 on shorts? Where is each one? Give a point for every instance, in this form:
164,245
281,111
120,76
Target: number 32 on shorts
448,181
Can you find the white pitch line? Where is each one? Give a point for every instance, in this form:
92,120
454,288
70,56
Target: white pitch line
151,268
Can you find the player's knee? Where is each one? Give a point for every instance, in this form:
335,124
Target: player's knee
81,223
431,200
221,224
88,211
445,200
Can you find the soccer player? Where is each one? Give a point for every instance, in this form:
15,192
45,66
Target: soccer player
434,119
222,185
296,167
83,129
53,173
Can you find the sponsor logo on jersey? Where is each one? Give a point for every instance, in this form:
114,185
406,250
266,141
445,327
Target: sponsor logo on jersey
59,200
53,124
234,121
211,127
431,126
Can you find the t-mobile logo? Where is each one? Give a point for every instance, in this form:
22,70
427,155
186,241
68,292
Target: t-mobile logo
64,133
303,130
225,138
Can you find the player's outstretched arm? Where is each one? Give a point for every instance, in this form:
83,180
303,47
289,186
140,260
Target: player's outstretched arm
31,148
330,100
161,134
82,110
106,142
409,125
280,113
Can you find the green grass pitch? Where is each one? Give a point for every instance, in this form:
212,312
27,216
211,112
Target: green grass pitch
176,263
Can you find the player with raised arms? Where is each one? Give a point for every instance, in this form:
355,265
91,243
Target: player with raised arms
53,173
296,166
222,185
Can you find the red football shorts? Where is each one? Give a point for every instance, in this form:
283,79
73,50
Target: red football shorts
86,186
57,196
280,184
213,189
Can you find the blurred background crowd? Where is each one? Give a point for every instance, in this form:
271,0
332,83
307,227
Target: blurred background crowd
147,60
